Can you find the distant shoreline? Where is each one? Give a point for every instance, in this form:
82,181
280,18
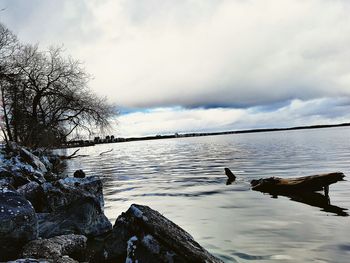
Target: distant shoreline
111,139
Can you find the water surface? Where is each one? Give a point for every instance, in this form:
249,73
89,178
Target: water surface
184,180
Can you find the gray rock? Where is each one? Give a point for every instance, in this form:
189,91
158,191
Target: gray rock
64,259
19,179
144,235
18,223
64,247
53,177
46,161
6,183
83,216
29,260
34,193
79,174
68,190
4,173
92,185
32,160
15,178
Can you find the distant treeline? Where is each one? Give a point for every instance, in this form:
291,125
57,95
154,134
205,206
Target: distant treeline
112,139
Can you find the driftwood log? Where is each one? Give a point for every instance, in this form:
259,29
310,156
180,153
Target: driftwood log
311,183
299,189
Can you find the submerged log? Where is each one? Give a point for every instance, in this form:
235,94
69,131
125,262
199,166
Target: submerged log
299,184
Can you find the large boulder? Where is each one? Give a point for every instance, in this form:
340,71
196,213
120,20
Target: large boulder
6,176
64,259
20,168
18,223
32,160
15,178
55,248
28,260
34,193
92,185
66,191
144,235
83,216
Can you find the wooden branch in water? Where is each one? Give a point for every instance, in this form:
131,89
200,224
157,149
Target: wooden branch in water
73,155
105,152
300,184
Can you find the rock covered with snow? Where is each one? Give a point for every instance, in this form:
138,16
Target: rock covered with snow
18,222
91,185
66,191
21,165
144,235
83,216
32,160
34,193
28,260
73,206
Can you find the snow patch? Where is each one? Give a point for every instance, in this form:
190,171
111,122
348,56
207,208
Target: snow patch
74,180
149,242
131,247
6,190
136,212
170,257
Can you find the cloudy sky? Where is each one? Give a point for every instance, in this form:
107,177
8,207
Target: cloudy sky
202,65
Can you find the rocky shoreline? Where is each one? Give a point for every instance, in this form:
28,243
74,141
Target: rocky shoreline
46,216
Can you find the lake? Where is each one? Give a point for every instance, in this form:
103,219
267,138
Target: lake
184,180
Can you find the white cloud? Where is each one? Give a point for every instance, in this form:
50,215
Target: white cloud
245,58
199,52
171,120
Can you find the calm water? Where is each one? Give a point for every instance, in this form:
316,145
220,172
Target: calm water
184,180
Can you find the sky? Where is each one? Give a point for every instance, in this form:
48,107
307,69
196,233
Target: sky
202,65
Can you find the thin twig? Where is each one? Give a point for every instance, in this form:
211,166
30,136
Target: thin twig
73,155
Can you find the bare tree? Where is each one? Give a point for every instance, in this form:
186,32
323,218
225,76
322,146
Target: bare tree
8,47
46,97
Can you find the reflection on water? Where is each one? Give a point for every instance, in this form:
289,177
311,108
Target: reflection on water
184,180
315,199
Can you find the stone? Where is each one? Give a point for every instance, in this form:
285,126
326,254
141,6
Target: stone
144,235
14,178
4,173
83,216
92,185
18,223
46,161
32,160
53,177
19,180
5,183
28,260
34,193
79,174
65,191
57,248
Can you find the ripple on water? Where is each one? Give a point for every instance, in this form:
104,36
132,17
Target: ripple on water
184,180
